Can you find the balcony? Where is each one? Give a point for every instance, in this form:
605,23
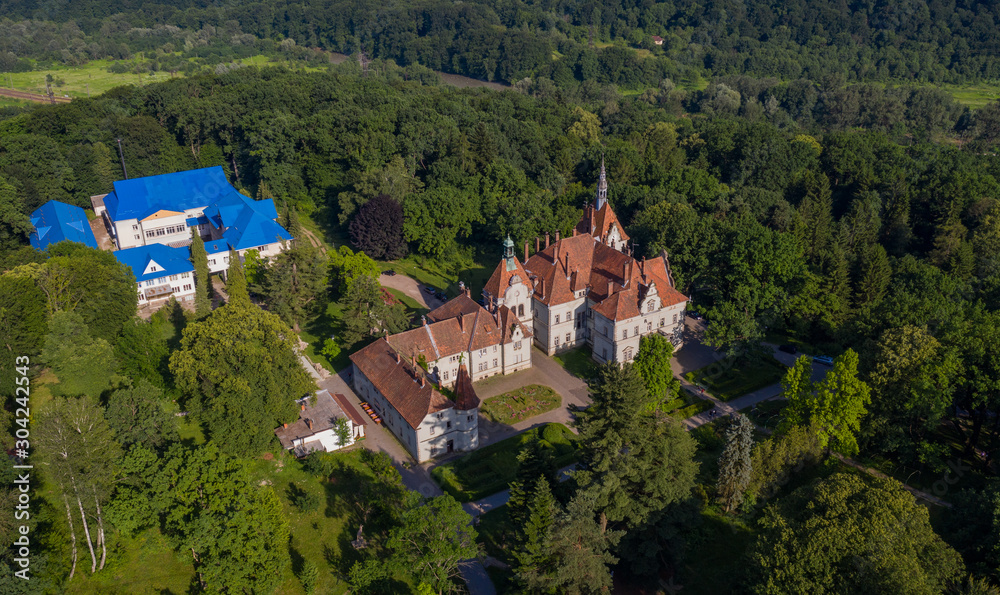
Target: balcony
159,291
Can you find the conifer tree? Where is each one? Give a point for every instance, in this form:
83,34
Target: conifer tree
735,464
236,281
580,551
202,280
534,561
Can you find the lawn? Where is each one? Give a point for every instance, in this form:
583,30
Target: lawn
766,414
429,271
686,405
732,378
519,405
577,362
93,78
488,470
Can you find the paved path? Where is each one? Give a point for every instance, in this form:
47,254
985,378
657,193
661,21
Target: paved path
545,371
411,288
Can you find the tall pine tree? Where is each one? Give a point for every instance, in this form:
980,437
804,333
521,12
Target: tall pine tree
734,464
533,554
202,280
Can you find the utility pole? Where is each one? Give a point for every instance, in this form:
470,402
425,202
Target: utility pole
122,156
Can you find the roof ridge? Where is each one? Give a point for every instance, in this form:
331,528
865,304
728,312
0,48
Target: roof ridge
437,354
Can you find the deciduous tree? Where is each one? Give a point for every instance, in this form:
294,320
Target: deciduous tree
377,229
432,539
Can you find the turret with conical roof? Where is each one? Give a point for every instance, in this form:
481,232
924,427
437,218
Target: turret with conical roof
602,186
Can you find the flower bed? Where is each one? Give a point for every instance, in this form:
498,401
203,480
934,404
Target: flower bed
521,404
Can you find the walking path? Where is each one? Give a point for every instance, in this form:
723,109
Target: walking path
410,287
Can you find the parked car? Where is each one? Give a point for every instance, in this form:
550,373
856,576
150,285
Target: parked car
389,272
441,296
826,360
695,315
788,349
430,289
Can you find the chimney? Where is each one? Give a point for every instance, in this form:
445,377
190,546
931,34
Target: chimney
557,235
546,240
423,381
309,422
567,263
303,406
423,320
284,426
398,359
555,254
590,210
538,245
525,250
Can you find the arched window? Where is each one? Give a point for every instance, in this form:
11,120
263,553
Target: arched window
627,353
520,310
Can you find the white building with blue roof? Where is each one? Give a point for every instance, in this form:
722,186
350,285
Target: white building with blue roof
57,221
161,272
163,209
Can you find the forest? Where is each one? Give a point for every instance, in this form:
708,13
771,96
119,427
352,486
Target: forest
843,210
567,42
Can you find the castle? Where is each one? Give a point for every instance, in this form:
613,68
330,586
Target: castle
585,289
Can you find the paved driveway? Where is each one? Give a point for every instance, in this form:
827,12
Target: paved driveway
545,371
411,288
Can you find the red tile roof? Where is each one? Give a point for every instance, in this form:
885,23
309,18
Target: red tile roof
399,382
467,399
500,280
463,304
617,283
467,331
597,222
349,410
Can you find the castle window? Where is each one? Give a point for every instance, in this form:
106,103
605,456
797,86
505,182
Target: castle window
494,362
649,306
567,337
636,330
517,345
569,315
604,353
449,425
661,322
187,287
627,354
649,326
675,319
557,319
446,375
624,333
520,310
470,418
556,339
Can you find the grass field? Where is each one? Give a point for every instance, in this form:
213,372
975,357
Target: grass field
577,362
94,78
488,470
729,379
521,404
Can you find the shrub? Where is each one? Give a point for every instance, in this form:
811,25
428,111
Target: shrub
304,500
321,463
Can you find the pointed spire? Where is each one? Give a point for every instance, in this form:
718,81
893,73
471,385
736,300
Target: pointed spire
602,187
508,253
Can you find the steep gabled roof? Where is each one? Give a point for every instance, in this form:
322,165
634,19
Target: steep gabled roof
400,382
466,397
463,304
500,279
168,261
597,222
57,221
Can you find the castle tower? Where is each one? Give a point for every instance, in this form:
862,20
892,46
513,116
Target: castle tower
602,187
509,285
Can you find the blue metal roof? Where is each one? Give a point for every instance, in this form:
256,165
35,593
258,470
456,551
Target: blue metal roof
166,260
216,246
195,221
57,221
141,197
252,229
